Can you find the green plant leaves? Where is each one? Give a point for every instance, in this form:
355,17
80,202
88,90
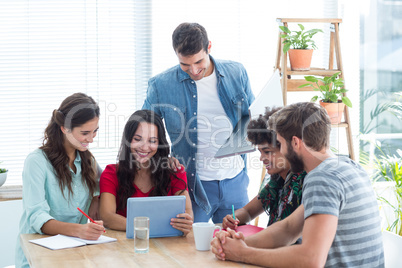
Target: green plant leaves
324,88
347,102
298,39
285,29
331,88
305,85
311,79
333,98
3,170
338,83
388,167
286,47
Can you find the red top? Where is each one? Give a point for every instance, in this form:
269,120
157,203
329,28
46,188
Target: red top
108,183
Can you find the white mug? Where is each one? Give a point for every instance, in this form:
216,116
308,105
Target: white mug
203,233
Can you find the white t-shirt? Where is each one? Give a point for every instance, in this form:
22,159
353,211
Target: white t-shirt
214,128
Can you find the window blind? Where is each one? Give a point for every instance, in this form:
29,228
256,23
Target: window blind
51,49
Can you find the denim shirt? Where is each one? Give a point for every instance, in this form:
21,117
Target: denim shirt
173,95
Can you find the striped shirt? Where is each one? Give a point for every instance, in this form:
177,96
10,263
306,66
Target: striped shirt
340,187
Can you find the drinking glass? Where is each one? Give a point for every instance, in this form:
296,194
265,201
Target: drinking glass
141,234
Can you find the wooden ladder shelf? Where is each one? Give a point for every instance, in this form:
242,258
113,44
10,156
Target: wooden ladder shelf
292,85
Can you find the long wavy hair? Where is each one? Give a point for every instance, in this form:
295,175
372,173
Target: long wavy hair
127,167
74,111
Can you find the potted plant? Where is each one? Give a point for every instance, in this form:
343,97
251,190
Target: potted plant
300,45
333,98
3,175
387,178
388,169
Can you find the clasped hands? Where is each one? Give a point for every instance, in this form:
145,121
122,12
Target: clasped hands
228,245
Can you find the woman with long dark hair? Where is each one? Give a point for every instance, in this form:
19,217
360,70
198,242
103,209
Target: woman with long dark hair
62,175
142,170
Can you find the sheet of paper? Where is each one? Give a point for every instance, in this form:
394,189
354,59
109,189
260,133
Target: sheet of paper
102,239
63,241
57,242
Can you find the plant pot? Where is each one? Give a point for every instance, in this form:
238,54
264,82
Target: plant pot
392,245
3,177
334,110
300,59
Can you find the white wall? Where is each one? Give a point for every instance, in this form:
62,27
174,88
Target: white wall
11,213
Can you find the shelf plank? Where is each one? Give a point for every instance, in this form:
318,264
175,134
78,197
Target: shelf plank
318,72
329,20
293,85
10,192
342,124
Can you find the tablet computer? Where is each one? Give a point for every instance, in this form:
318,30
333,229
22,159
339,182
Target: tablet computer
270,96
159,210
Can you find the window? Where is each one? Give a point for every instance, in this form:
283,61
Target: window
381,77
109,49
51,49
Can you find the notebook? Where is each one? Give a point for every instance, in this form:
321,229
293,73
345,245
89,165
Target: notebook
159,210
270,96
63,241
247,229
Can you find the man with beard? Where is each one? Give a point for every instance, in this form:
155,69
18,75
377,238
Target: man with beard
338,219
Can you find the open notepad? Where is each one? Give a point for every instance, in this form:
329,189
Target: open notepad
63,241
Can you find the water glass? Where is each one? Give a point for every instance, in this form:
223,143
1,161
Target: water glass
141,234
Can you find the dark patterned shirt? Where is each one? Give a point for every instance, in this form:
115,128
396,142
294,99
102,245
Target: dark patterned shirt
280,198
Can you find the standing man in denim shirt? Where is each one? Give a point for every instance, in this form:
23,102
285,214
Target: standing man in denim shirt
201,101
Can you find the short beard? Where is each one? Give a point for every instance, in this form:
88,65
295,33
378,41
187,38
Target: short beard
296,163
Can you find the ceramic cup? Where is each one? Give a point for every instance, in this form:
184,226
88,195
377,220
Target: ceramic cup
203,233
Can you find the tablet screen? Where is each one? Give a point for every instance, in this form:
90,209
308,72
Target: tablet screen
159,210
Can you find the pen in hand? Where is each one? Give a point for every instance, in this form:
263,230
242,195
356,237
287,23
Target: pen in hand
89,218
234,217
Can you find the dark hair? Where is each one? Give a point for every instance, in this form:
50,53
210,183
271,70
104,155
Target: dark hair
305,120
127,165
189,38
74,111
257,132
